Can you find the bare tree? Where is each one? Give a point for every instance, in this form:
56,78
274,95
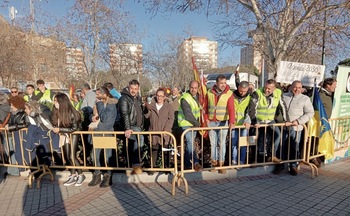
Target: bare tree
26,56
92,25
281,30
161,61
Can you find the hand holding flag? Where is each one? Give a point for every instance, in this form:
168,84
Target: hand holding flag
202,93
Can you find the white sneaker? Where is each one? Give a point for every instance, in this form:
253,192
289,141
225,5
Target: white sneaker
80,180
71,180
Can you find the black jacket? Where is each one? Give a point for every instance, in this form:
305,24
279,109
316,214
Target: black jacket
75,125
17,121
127,109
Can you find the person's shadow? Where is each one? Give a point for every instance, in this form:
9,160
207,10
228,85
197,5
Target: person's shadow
44,198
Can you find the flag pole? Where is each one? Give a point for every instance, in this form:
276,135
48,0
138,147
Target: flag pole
313,92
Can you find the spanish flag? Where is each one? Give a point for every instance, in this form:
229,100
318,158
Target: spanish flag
202,91
71,92
319,127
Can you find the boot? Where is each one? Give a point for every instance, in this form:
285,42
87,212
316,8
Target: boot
96,179
214,163
136,170
222,171
106,181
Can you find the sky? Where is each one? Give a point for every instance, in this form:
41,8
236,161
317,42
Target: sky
158,25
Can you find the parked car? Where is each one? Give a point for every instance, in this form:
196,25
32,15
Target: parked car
230,80
5,90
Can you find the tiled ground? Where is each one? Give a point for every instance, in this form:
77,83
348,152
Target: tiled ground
327,194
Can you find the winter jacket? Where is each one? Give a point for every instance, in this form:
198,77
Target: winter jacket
174,101
327,100
89,100
75,125
299,108
161,120
4,111
107,113
37,133
17,121
128,113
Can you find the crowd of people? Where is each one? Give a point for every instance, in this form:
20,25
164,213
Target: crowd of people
53,117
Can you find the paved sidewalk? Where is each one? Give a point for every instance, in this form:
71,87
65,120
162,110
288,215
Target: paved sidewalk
267,194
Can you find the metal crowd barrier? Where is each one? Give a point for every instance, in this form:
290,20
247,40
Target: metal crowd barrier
341,132
251,143
340,128
116,141
100,140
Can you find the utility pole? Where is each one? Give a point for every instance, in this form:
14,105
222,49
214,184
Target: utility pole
12,14
324,34
32,33
31,7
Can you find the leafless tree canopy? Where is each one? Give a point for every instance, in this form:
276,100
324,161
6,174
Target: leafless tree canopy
27,56
93,25
280,29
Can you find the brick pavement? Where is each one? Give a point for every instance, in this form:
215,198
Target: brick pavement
267,194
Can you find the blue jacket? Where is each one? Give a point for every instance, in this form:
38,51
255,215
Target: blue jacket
108,114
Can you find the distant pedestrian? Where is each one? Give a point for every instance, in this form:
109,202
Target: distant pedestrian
29,93
14,91
43,94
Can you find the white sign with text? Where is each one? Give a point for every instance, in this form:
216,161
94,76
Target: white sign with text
306,73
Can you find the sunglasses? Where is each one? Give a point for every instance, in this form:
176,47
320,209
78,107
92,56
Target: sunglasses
13,91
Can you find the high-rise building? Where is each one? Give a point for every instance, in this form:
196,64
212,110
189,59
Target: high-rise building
126,59
251,56
205,53
74,62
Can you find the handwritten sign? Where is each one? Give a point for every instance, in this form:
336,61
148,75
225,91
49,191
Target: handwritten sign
306,73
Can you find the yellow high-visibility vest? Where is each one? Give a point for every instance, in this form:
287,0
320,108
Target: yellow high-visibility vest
240,108
194,107
265,111
45,97
220,109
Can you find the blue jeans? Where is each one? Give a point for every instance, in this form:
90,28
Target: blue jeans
293,138
190,155
234,140
218,141
274,133
135,146
13,148
107,155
